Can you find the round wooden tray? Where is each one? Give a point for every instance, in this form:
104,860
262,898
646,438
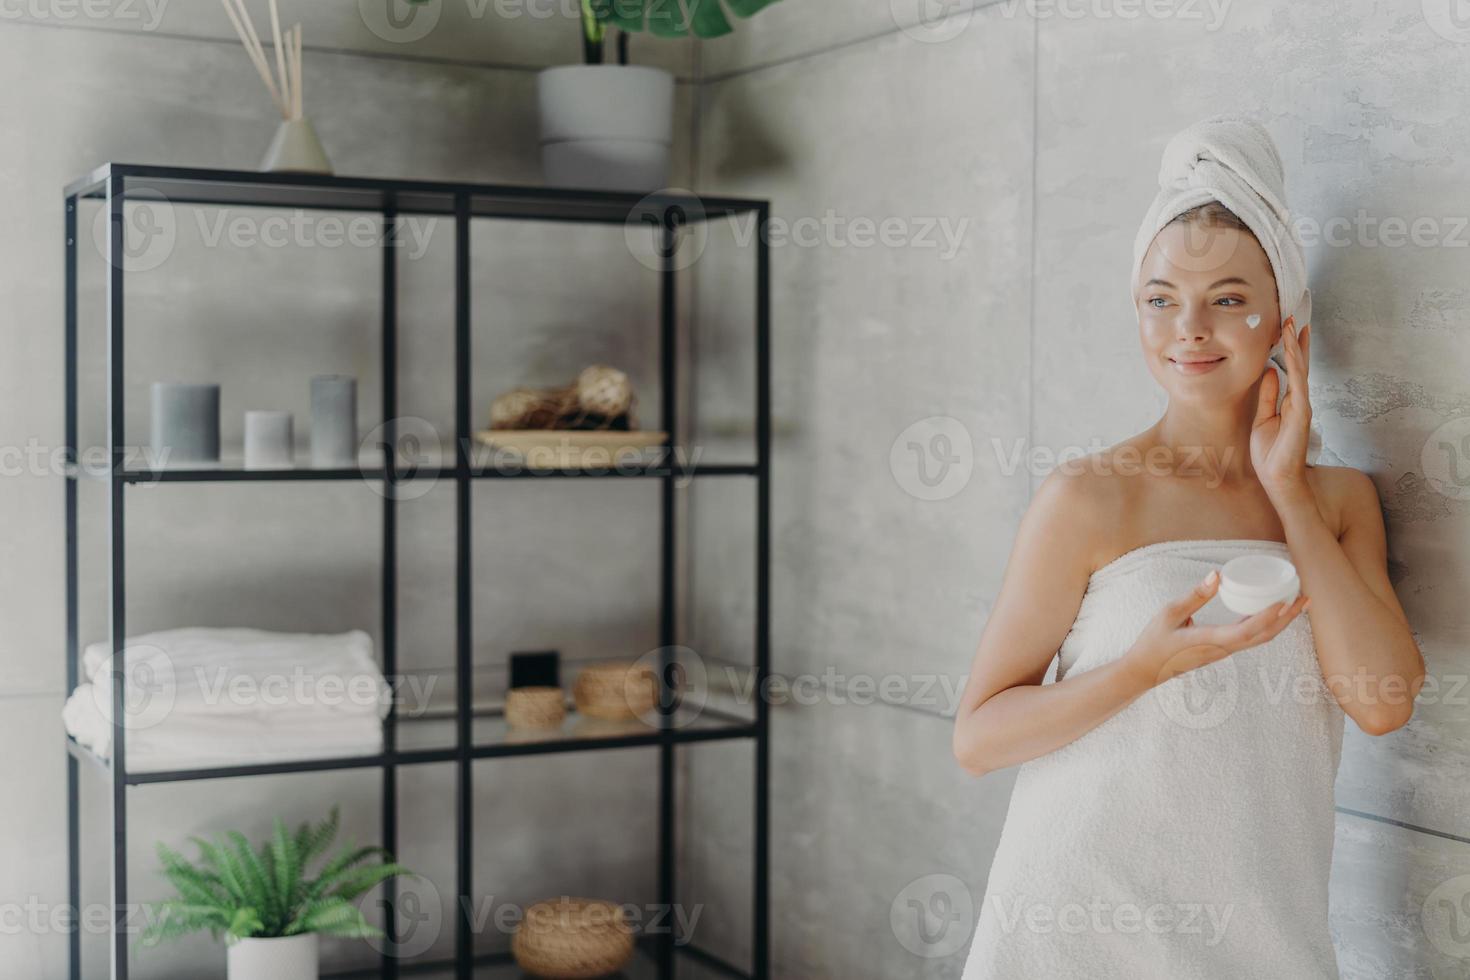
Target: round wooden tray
559,448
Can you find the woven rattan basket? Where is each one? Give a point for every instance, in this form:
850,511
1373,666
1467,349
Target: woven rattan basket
572,938
535,707
619,690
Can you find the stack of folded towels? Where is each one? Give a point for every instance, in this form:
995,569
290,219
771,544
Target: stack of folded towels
201,697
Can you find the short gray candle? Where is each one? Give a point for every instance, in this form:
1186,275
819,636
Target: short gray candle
268,443
334,420
185,422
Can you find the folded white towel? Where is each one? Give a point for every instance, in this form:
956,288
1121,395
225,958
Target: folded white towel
238,670
183,741
203,696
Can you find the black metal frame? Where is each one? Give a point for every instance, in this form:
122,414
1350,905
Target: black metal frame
112,183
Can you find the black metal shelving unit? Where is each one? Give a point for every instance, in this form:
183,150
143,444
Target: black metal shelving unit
113,184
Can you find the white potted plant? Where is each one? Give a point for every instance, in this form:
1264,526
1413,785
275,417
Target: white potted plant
261,902
610,126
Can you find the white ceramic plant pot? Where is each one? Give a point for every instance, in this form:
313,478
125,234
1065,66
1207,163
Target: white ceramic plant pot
606,127
288,958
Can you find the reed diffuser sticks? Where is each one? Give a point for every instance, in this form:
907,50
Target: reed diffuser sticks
295,147
285,85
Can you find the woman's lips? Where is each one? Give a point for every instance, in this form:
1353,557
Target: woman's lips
1196,367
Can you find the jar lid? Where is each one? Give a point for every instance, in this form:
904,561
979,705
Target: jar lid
1257,574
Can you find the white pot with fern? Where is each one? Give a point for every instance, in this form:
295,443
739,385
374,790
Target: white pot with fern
260,901
281,958
611,126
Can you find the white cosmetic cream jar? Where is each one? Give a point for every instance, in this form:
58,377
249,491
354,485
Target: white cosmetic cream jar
1250,583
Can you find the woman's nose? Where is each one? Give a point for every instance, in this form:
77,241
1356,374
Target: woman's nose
1191,324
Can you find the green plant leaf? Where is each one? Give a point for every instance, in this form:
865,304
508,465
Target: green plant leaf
363,880
625,15
260,895
594,28
334,916
665,18
675,18
244,924
747,8
312,841
334,870
172,919
285,866
194,884
215,856
706,18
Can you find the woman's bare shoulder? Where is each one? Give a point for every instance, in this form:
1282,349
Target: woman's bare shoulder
1085,497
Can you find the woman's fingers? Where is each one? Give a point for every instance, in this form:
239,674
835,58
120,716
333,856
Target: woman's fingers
1296,358
1254,629
1290,349
1281,619
1266,398
1194,600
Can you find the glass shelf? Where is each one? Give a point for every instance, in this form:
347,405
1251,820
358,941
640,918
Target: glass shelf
692,964
428,740
327,192
492,737
232,470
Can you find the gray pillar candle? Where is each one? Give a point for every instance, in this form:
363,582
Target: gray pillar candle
185,422
334,420
268,443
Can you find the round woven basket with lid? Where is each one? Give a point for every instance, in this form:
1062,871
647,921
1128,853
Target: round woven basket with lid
535,707
618,690
570,938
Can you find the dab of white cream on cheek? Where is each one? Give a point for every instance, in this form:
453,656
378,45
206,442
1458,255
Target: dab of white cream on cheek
1253,321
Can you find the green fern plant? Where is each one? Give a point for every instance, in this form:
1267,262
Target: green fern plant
240,892
659,18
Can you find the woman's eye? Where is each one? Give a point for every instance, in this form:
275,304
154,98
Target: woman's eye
1154,301
1231,300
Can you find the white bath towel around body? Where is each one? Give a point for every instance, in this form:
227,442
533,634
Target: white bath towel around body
1190,835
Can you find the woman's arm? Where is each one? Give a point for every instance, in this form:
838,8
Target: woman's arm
1367,652
1006,716
1369,659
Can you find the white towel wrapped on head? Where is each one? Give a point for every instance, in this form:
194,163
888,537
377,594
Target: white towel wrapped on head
1233,160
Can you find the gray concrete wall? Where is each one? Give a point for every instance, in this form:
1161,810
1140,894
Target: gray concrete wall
456,103
1041,125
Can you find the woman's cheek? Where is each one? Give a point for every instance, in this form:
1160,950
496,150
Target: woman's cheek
1153,328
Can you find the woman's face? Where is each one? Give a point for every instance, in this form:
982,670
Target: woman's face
1207,311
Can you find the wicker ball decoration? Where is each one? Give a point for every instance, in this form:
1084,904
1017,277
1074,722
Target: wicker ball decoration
535,707
573,938
603,390
618,690
601,397
531,408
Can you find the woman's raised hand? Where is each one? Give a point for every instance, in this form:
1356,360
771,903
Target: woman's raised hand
1172,644
1279,440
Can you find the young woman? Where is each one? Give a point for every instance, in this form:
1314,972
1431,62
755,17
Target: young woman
1172,816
